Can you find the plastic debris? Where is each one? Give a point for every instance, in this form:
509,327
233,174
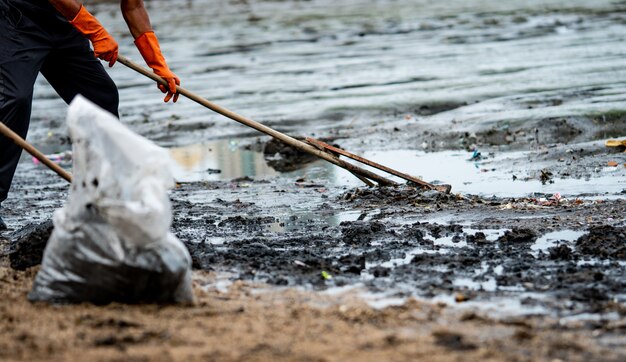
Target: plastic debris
60,158
326,275
300,263
611,164
540,202
554,200
476,156
111,241
460,298
616,143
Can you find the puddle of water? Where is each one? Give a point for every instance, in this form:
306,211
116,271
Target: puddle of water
394,262
225,160
489,177
448,241
405,260
218,160
497,306
552,239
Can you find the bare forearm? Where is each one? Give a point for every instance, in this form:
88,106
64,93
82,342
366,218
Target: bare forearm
136,17
67,8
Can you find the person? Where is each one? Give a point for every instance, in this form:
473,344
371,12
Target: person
52,38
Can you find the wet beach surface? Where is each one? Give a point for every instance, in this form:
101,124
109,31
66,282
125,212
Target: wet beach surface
417,85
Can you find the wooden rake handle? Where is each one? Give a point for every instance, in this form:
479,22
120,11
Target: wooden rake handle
319,149
302,146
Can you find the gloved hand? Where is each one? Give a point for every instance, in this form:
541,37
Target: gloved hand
104,46
148,46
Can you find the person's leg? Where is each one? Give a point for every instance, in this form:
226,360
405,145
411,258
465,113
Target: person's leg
73,69
16,92
21,57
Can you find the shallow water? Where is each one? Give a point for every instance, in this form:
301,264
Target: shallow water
324,64
226,160
329,67
555,238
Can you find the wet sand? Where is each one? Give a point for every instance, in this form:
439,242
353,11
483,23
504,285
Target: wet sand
244,324
501,269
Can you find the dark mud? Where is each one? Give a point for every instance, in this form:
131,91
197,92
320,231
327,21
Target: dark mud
387,252
399,242
604,242
27,245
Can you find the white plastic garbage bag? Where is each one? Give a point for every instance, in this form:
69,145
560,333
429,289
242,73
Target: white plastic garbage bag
111,241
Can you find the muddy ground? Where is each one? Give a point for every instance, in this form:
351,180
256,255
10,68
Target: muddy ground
246,324
299,264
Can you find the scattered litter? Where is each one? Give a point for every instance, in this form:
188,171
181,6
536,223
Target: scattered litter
616,143
612,164
60,158
460,298
300,263
476,156
111,241
554,200
538,202
546,176
326,275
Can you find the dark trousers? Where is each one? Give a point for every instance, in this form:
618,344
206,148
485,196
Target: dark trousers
34,38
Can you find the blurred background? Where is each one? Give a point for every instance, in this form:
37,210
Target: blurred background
319,64
383,75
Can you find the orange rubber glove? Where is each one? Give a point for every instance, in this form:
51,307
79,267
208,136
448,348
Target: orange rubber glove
104,46
148,46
